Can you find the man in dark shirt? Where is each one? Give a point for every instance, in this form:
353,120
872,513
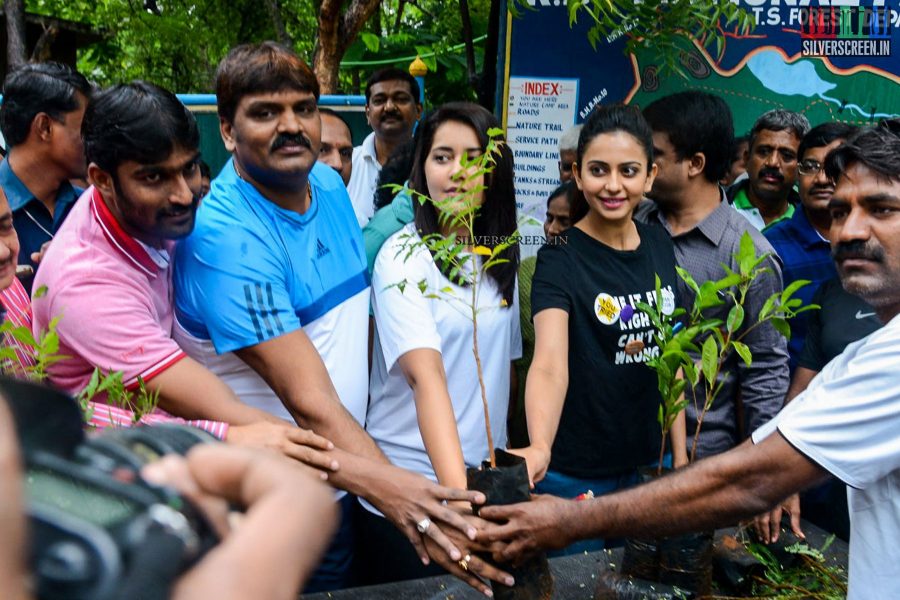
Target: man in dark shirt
43,105
692,139
801,241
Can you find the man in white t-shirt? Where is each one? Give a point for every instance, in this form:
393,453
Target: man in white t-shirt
392,109
846,423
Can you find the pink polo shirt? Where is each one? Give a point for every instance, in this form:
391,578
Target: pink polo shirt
114,299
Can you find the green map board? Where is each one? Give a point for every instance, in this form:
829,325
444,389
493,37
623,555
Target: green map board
553,77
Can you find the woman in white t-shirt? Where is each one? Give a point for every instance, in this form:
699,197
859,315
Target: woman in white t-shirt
425,409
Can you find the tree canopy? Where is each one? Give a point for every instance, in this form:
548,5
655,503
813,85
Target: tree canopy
178,43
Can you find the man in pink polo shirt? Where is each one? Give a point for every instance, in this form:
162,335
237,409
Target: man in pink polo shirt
107,274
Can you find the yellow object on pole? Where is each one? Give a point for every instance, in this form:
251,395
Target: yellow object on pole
417,68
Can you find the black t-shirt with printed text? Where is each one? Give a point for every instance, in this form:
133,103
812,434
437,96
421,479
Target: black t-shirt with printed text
609,419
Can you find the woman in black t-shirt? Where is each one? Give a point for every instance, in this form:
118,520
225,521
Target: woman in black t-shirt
591,402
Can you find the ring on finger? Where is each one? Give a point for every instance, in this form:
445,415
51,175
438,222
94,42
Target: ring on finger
423,525
464,562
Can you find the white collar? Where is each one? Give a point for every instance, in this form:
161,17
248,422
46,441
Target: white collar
160,256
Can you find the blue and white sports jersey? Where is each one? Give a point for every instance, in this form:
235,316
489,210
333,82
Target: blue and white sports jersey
252,271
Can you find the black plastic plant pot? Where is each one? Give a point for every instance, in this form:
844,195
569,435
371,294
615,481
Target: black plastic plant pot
507,483
640,559
641,556
617,586
686,561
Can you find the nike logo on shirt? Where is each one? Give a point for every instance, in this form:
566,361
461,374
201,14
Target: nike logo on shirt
861,315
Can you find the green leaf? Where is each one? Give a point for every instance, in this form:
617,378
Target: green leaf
50,344
730,280
735,318
23,335
690,372
744,351
372,41
709,296
781,326
768,306
792,288
806,308
688,279
746,255
710,359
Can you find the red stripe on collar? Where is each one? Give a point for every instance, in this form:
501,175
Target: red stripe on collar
117,236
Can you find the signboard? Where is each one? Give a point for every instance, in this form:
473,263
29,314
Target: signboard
538,111
835,60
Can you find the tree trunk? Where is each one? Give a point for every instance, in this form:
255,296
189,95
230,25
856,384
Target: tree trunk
470,44
336,32
43,47
487,84
400,6
15,33
281,33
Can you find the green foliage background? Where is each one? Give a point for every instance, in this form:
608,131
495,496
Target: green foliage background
178,43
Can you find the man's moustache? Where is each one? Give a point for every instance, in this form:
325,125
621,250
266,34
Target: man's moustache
293,139
771,173
179,210
859,250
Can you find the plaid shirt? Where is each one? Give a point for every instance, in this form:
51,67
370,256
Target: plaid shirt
760,388
806,255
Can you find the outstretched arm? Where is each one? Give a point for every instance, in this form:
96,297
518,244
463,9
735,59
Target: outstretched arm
545,388
713,492
292,367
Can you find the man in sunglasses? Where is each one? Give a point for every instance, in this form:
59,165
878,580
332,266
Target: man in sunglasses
802,241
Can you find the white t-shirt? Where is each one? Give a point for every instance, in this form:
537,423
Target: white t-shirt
364,179
407,321
848,422
336,335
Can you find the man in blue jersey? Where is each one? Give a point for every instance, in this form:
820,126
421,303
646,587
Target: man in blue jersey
272,295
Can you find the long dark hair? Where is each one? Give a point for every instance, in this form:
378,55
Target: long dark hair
609,119
496,219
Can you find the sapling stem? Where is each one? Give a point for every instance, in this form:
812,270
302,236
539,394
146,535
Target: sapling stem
484,402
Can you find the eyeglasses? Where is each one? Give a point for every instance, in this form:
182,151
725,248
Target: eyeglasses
809,166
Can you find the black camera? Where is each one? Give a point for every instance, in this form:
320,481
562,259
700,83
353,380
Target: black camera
98,531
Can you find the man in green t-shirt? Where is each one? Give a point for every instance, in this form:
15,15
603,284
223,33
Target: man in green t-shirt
767,195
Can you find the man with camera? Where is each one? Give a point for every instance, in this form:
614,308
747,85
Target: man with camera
287,521
108,280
